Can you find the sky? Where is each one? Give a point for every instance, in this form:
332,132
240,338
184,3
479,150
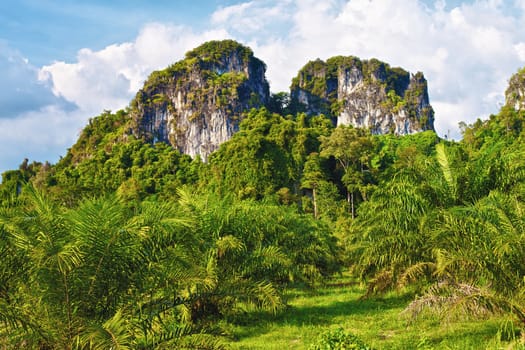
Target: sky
65,61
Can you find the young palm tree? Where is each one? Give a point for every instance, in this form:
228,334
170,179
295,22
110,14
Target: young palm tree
483,243
16,312
388,240
49,256
480,258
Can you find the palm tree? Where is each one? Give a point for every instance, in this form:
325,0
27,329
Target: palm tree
388,240
16,313
480,259
483,243
44,295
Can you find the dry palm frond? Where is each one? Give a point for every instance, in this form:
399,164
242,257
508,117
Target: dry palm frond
450,300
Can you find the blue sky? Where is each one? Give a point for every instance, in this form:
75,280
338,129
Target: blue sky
48,30
64,61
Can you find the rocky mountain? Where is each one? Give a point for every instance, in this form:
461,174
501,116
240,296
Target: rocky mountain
197,103
515,93
366,94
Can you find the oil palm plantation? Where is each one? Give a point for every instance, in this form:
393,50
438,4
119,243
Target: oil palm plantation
106,274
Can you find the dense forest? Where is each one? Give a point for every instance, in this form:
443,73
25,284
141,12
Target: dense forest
127,244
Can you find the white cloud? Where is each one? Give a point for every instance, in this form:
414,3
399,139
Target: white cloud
467,52
95,82
520,50
20,90
109,78
32,119
254,20
224,14
38,135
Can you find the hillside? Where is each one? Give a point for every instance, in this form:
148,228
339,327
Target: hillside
197,104
132,241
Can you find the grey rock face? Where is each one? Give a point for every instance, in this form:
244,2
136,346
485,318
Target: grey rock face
365,94
198,103
515,93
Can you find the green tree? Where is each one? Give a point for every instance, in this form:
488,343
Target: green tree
313,175
353,149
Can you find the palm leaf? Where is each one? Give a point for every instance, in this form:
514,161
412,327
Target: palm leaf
382,282
415,273
444,163
112,334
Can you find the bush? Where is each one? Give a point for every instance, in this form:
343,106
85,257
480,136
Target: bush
339,339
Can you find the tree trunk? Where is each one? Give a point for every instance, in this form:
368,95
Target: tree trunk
69,312
315,203
350,200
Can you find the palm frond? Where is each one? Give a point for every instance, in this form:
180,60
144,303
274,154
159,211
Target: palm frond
416,272
12,317
267,296
112,334
446,169
22,321
229,243
382,282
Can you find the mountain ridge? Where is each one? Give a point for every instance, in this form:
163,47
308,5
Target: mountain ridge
197,103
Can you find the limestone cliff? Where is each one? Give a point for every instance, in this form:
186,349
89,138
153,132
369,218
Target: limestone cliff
197,103
368,94
515,93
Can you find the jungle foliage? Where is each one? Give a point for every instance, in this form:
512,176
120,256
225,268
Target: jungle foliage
125,244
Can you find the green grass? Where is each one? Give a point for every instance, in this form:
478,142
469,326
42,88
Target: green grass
377,321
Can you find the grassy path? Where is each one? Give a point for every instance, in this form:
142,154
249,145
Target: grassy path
377,321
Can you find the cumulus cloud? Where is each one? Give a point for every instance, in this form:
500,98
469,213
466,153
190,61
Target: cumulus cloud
31,115
108,78
20,90
467,52
40,135
257,17
520,50
224,14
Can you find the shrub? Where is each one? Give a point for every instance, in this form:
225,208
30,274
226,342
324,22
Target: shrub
339,339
